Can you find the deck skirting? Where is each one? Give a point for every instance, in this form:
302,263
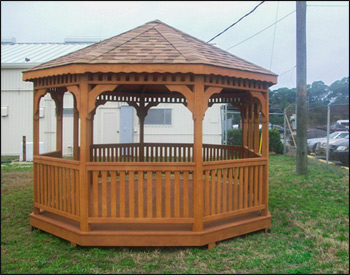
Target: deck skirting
149,235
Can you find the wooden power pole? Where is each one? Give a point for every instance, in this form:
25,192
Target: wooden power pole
301,158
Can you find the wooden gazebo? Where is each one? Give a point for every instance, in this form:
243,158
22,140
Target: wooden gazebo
147,194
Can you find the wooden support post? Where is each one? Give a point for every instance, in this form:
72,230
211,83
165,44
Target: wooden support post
59,129
142,136
75,134
256,127
198,116
265,153
91,132
301,154
36,105
244,117
250,125
24,149
85,142
211,245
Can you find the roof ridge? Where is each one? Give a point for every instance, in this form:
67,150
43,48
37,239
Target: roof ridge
125,41
154,42
170,43
212,46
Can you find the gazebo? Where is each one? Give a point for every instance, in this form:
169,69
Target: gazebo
152,194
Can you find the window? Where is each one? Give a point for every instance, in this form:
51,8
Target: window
68,111
158,117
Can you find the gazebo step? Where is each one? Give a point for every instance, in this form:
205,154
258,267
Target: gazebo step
149,235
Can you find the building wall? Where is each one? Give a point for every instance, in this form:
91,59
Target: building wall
17,96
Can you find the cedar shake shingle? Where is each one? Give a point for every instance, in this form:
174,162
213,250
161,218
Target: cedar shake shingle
154,42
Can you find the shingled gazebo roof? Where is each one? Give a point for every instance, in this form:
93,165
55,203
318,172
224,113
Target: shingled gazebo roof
155,43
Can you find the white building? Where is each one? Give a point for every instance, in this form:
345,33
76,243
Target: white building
167,123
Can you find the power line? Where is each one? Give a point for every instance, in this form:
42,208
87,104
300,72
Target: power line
236,22
274,35
328,5
287,71
260,31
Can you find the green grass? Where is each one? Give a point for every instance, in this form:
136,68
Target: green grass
310,233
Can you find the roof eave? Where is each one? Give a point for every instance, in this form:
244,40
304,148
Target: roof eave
204,69
18,65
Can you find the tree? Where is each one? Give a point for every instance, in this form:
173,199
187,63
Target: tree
317,92
339,91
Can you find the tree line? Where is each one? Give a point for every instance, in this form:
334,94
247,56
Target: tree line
319,95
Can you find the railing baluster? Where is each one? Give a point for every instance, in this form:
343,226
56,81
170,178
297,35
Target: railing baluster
241,185
149,194
219,186
104,194
256,170
122,194
207,198
140,194
177,194
113,194
186,200
158,194
213,188
167,195
131,195
224,191
95,193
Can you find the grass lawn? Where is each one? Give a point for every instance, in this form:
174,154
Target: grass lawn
310,233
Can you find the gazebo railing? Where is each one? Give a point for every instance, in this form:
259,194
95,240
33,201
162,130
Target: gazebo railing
154,152
233,187
234,182
56,186
143,193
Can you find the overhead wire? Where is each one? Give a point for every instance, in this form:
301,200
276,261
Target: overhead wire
260,31
274,35
236,22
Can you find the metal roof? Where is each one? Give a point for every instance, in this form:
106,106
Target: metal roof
26,55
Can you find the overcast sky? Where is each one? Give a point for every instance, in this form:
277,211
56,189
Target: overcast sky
274,49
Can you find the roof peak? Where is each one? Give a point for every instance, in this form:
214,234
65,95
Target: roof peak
155,42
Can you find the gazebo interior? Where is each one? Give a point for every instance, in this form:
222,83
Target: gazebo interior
152,194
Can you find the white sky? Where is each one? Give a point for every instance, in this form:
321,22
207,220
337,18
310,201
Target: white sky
327,28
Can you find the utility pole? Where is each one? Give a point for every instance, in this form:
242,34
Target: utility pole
301,157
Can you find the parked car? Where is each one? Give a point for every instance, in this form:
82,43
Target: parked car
313,136
332,137
323,145
344,122
313,144
338,127
273,126
340,151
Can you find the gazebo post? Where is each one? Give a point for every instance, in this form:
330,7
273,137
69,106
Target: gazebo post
142,136
35,146
244,116
58,98
250,125
85,142
92,132
265,153
198,116
256,127
75,131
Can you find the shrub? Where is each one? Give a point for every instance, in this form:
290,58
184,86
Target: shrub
234,137
275,143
